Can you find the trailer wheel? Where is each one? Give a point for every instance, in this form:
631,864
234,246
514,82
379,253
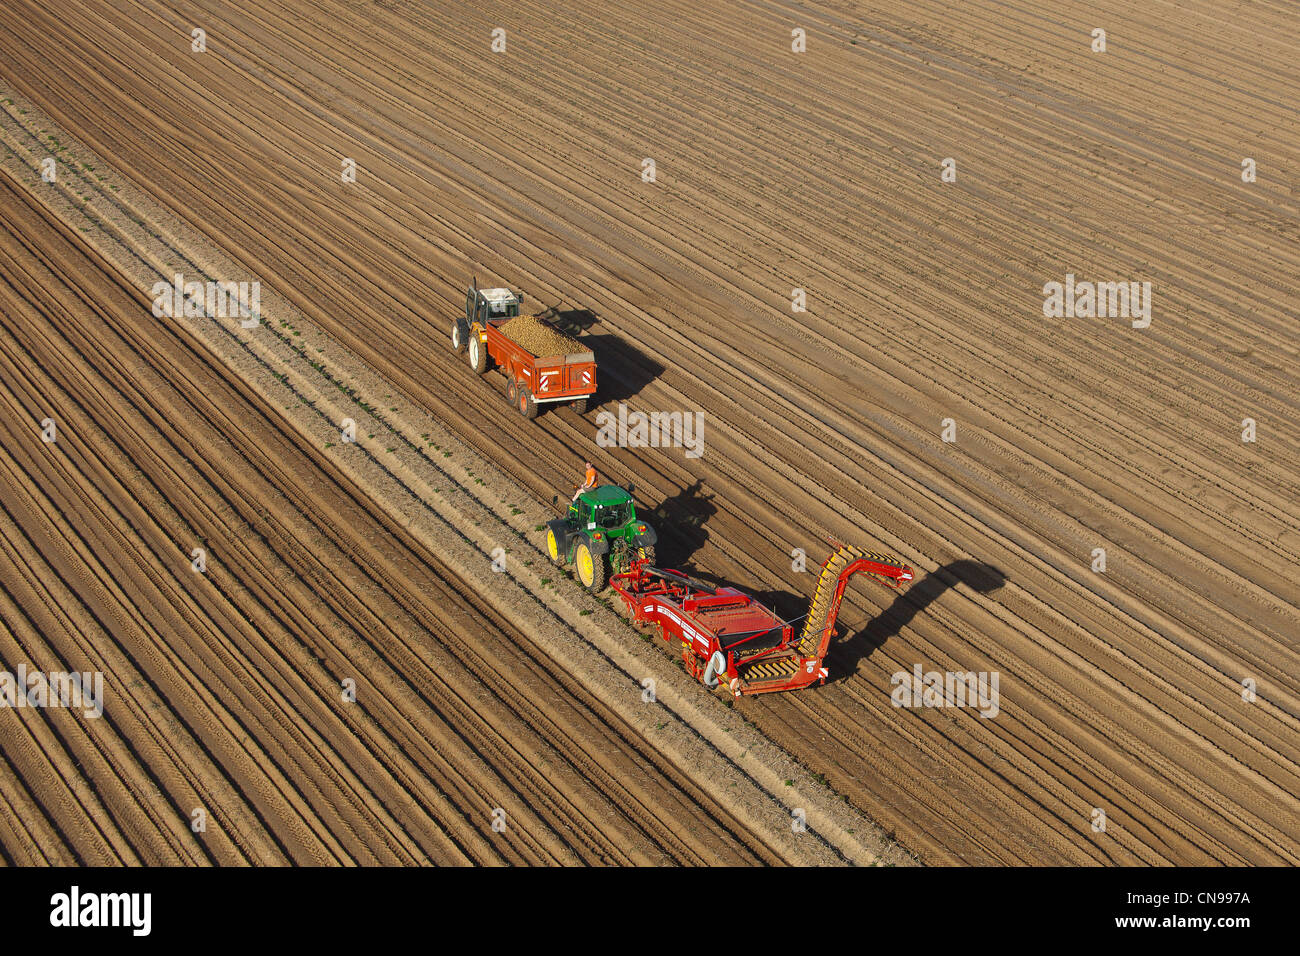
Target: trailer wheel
459,333
512,388
580,406
553,548
717,665
478,357
590,567
527,406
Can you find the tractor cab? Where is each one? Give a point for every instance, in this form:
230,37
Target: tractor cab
607,508
484,304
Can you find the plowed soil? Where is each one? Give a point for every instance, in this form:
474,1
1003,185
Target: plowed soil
1164,691
235,675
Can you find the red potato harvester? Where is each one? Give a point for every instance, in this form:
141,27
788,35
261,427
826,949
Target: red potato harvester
727,636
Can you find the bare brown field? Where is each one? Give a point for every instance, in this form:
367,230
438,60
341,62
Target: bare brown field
234,676
1120,691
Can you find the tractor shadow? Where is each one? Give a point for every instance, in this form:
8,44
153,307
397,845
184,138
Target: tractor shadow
680,522
850,651
622,369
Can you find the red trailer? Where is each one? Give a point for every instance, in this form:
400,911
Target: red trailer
728,637
542,365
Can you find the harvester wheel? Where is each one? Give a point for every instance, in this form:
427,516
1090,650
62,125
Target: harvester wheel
459,333
527,407
580,406
478,357
590,567
716,668
512,389
553,548
646,554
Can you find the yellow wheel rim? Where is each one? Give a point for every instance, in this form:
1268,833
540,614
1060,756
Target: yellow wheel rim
586,569
552,546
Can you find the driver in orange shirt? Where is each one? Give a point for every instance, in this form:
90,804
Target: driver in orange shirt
589,480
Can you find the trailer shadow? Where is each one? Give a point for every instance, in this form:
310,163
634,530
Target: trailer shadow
852,650
570,321
680,522
623,370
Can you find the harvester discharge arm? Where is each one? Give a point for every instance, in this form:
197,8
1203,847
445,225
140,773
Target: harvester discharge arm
843,564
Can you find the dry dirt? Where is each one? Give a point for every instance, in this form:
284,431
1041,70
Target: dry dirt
417,478
1121,691
233,677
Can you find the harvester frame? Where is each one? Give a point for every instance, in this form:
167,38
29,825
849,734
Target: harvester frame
730,639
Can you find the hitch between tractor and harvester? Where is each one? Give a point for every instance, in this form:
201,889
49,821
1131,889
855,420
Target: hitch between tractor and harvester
730,639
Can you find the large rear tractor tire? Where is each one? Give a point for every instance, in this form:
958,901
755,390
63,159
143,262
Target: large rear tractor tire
459,334
553,549
591,568
478,357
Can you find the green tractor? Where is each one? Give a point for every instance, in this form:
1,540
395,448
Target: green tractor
601,532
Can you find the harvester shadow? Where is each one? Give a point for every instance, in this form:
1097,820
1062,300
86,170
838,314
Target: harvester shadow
850,651
680,522
622,368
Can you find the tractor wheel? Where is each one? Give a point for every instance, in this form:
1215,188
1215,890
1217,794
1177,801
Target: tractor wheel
579,407
646,554
590,567
553,548
512,388
459,333
478,357
527,407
